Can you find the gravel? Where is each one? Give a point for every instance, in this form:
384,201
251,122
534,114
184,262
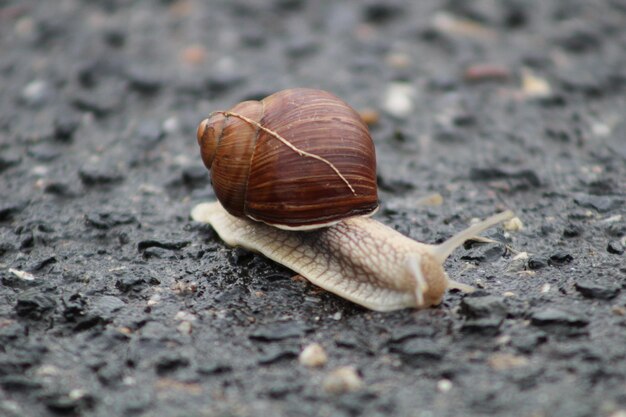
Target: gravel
114,303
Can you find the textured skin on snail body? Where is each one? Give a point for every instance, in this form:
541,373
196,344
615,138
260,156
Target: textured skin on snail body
298,159
358,259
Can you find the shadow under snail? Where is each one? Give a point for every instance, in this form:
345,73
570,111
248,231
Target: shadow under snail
295,176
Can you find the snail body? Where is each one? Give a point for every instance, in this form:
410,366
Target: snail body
295,176
359,259
298,159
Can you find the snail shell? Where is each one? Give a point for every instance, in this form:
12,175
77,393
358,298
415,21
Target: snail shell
298,159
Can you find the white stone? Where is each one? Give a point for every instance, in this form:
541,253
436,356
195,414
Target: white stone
343,379
399,99
313,355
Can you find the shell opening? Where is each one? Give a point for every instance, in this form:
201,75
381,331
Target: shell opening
209,134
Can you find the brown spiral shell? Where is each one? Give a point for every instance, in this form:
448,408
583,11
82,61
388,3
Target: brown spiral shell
255,174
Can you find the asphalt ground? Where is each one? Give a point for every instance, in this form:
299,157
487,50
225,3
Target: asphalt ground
114,303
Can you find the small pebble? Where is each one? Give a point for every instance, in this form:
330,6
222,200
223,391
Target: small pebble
527,342
598,291
615,247
149,189
34,304
398,60
194,54
504,361
487,252
522,256
184,327
57,188
503,340
618,310
370,116
277,353
419,350
515,180
612,219
154,300
252,37
195,176
486,72
215,368
572,230
150,133
185,316
485,306
144,81
105,220
106,306
9,159
601,204
43,152
48,370
465,28
65,126
553,316
381,12
444,385
223,80
560,258
313,355
8,210
171,125
170,362
114,37
40,171
487,326
279,331
61,403
342,380
35,93
398,100
537,262
579,38
91,175
163,244
184,288
513,225
431,200
300,46
100,104
26,276
77,393
6,247
130,282
25,26
534,86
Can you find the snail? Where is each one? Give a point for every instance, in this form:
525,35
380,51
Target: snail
325,173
